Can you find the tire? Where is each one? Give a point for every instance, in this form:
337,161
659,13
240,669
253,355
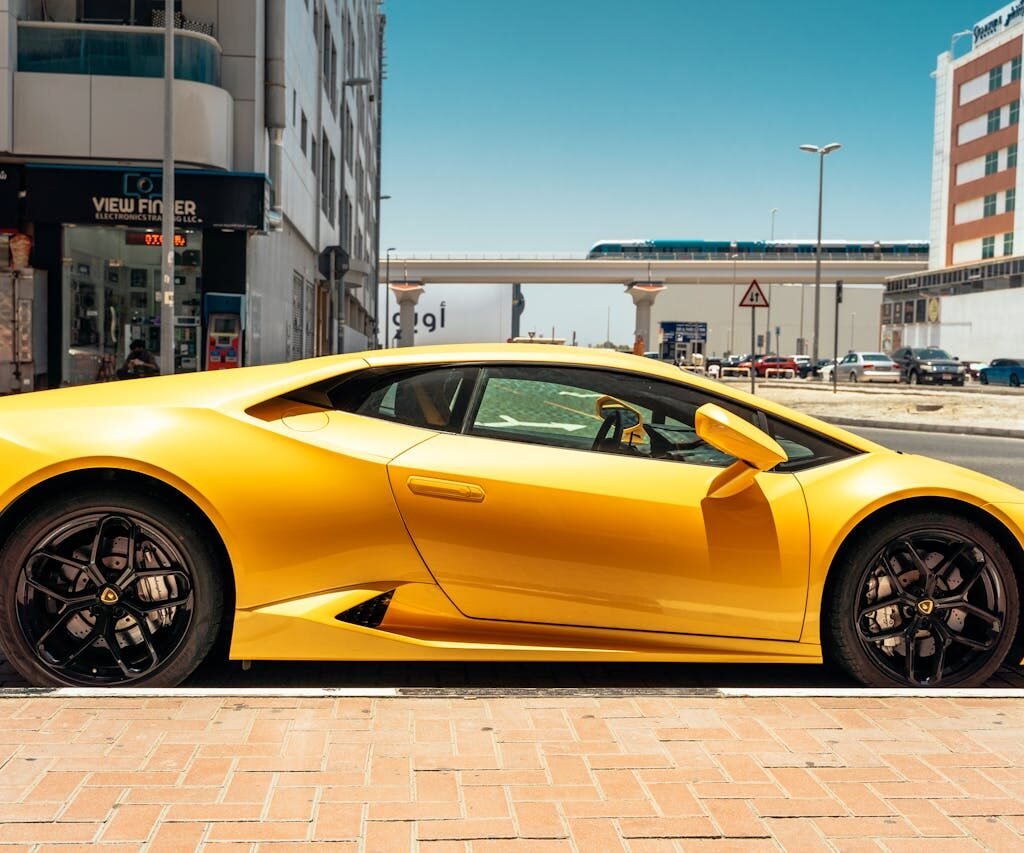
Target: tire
951,646
853,376
1014,380
63,610
914,378
983,378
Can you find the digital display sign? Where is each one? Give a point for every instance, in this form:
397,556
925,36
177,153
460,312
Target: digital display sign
149,238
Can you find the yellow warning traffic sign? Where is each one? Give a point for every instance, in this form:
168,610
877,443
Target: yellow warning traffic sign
754,297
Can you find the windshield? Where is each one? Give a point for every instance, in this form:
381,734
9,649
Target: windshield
932,352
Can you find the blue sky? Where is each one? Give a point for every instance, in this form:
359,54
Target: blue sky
546,125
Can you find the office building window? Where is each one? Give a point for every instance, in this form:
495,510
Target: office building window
1008,243
1011,157
1011,200
990,205
995,78
1015,112
303,130
988,247
993,121
991,162
1015,68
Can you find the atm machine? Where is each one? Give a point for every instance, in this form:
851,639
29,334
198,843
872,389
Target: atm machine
17,296
225,326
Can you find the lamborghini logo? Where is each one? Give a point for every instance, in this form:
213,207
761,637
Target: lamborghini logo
926,606
109,595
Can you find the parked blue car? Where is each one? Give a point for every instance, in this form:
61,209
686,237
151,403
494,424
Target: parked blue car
1003,371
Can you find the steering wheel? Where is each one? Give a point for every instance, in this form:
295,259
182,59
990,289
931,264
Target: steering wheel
612,423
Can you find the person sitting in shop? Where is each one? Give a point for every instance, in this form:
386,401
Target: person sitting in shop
139,363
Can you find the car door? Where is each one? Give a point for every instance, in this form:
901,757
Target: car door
518,518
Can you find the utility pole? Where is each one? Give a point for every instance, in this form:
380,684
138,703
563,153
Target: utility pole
167,243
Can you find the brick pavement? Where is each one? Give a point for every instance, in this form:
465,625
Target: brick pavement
637,772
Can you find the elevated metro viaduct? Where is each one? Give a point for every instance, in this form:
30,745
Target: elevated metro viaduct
643,279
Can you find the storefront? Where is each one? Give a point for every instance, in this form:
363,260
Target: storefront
97,235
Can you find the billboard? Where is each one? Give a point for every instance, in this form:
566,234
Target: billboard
451,314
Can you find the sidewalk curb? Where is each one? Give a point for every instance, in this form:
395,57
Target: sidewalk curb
954,429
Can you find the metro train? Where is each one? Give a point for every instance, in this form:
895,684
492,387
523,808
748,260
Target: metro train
610,249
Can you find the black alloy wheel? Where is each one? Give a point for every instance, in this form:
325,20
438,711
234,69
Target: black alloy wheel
108,589
929,600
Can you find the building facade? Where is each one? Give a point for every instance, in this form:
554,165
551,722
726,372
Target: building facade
276,147
964,302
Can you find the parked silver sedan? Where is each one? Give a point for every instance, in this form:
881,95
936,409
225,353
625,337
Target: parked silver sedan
868,367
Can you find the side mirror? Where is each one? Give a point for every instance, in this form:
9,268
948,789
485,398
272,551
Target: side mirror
755,451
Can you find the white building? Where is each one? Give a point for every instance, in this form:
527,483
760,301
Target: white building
277,129
969,299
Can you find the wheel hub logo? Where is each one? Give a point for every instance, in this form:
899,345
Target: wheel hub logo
109,595
926,606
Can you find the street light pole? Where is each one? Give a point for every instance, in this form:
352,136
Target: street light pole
167,200
768,318
387,299
732,320
821,152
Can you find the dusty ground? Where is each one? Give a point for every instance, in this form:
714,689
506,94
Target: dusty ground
901,404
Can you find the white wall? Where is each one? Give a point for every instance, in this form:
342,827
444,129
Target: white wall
968,211
967,250
971,130
455,313
975,88
971,170
974,326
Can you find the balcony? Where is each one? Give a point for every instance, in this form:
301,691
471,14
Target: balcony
115,51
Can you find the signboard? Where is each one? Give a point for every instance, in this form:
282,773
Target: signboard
1011,13
754,297
451,314
684,332
114,196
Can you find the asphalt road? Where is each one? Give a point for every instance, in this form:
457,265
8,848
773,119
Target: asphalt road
1002,458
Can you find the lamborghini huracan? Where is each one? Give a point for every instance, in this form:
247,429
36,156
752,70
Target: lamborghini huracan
485,503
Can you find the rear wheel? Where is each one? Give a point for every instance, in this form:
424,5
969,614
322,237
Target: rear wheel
108,588
924,600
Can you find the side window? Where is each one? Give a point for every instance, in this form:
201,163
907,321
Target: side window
434,398
595,410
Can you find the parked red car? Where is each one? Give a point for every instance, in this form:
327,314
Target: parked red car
778,364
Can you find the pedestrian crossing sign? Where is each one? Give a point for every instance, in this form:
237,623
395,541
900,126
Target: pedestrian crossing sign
754,297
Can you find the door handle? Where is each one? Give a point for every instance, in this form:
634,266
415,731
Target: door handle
433,488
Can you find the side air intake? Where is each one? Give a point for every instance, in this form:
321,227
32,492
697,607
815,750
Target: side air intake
370,613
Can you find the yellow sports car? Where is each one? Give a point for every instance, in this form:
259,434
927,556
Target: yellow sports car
485,502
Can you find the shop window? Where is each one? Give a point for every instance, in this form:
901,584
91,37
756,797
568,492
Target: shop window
988,247
991,162
990,205
1008,243
995,78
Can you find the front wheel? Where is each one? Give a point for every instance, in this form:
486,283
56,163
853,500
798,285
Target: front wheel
1014,380
925,600
853,376
914,378
108,588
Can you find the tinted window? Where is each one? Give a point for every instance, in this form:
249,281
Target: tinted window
434,398
559,406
